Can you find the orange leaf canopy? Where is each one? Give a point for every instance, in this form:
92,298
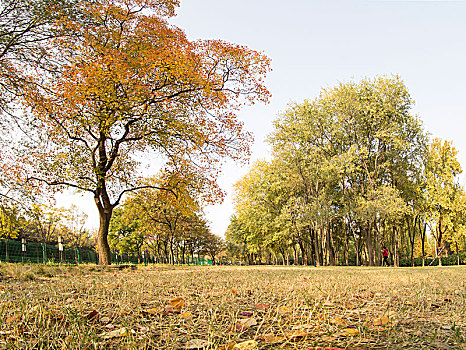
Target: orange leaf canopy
127,82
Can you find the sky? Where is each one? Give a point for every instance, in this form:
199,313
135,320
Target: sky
315,44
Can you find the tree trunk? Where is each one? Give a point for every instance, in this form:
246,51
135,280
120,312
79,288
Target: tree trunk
370,252
423,239
102,242
312,246
317,251
439,241
346,247
396,259
303,252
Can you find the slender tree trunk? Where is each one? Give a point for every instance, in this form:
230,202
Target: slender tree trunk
312,246
370,252
317,251
439,241
423,240
457,254
303,252
331,250
346,247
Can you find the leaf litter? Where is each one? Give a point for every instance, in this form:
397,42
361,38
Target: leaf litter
160,308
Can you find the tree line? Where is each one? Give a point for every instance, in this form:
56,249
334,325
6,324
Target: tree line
169,224
352,171
44,224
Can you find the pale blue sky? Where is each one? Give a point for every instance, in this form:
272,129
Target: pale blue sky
315,44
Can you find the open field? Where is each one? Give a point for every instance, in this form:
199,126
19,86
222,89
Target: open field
163,307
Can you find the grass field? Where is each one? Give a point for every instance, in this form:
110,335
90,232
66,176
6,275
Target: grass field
163,307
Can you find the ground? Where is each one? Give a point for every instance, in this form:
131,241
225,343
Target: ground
219,307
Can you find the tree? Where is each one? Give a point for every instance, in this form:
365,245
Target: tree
46,223
125,233
11,221
213,245
73,231
443,192
130,84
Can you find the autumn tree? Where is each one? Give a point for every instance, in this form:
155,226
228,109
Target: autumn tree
129,84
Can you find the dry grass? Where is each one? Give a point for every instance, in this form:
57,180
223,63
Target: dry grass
86,307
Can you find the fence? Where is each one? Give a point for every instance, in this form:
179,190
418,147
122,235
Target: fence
15,251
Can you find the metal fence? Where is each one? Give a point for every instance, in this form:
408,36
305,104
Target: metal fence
30,252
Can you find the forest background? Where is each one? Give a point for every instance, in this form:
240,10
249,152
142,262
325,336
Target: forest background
437,217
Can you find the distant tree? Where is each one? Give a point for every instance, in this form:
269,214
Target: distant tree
45,223
213,245
126,234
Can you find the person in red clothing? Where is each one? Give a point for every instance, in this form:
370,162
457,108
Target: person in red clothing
385,256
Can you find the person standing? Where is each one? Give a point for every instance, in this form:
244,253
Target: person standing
385,256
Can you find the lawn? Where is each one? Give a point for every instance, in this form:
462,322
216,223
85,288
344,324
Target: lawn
220,307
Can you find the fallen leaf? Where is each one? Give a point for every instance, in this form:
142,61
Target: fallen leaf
177,303
93,315
271,338
243,324
235,293
186,315
329,338
297,335
152,311
246,313
117,333
124,312
197,344
170,310
246,345
249,322
228,346
380,321
105,320
338,321
350,331
262,306
283,310
13,318
303,327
